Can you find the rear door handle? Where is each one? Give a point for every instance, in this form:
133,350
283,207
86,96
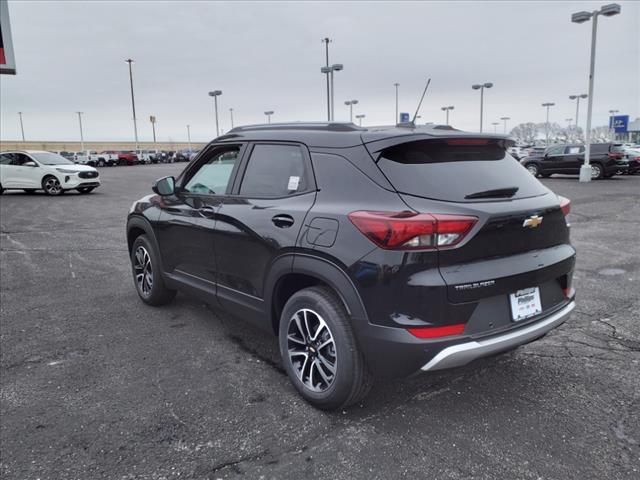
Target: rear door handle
283,221
207,211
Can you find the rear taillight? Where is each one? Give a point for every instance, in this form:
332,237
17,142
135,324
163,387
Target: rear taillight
565,205
411,231
436,332
569,292
615,155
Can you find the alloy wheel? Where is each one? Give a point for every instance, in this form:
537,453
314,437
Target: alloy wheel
312,350
595,171
52,186
143,271
533,170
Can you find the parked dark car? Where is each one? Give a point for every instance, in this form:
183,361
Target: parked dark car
632,155
127,158
369,253
605,162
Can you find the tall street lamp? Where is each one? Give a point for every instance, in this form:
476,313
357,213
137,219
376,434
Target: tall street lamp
481,87
446,109
189,136
268,114
360,117
547,105
152,119
396,85
504,119
336,67
326,69
231,113
21,125
81,134
577,99
133,103
215,94
495,126
350,104
581,17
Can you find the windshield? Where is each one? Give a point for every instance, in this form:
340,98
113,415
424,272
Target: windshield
47,158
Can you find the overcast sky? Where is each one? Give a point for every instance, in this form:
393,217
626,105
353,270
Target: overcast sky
267,56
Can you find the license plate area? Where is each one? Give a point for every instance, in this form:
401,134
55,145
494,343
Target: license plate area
525,303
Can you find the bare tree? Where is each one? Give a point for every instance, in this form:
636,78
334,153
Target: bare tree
525,133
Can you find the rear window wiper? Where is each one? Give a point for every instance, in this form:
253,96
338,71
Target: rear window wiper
495,193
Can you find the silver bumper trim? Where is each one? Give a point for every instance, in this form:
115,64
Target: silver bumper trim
458,355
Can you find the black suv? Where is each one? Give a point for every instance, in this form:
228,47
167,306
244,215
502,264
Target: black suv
368,252
604,159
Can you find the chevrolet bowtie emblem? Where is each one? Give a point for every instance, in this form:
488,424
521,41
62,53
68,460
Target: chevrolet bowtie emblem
532,222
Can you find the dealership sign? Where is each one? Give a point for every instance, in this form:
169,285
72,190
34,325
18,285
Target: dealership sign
7,60
619,123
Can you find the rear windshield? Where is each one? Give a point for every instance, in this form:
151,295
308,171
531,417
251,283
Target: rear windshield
457,172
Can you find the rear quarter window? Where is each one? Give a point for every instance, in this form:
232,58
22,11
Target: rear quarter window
442,171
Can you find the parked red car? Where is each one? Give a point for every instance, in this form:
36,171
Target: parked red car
127,158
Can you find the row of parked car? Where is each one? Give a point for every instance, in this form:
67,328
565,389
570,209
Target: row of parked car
110,158
605,159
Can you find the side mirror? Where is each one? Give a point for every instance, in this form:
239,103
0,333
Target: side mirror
30,163
164,186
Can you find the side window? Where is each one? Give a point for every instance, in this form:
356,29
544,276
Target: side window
275,171
5,158
19,159
213,176
555,151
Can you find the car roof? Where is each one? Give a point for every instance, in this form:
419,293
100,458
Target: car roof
341,134
28,151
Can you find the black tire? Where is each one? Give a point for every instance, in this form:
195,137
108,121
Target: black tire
533,169
29,191
1,189
51,186
101,162
597,172
144,261
545,175
351,380
85,190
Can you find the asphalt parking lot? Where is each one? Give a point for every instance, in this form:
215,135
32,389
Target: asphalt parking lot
95,384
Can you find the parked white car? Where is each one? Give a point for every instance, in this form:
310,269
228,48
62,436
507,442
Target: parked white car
147,156
108,158
87,157
34,170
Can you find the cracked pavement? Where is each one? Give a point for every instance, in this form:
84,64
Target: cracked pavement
94,384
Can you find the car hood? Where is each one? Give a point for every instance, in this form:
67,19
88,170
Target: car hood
76,167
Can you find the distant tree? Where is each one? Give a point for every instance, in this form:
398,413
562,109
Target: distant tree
601,134
525,133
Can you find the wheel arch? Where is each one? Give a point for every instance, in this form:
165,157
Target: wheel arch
294,272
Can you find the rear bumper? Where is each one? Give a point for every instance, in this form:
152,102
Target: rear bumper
463,353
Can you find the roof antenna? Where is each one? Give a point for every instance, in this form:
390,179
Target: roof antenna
420,104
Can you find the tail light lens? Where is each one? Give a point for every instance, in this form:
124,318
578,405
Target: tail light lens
412,231
565,205
436,332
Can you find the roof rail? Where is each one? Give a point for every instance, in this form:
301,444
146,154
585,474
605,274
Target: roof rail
321,126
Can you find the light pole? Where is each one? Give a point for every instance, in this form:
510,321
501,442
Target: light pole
189,136
504,119
215,94
336,67
81,134
326,69
21,125
231,112
495,126
268,114
396,85
447,109
133,103
577,99
547,105
350,104
481,87
581,17
152,119
360,117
